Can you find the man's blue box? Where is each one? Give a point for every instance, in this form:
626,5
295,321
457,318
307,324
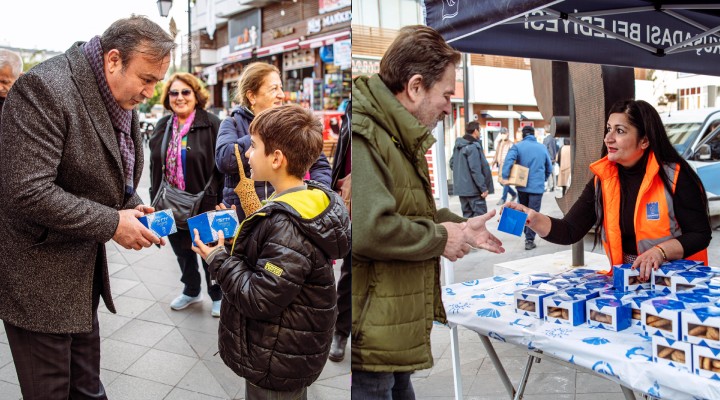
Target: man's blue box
210,223
512,221
160,222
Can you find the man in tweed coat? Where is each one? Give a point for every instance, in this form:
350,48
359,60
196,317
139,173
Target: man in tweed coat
70,161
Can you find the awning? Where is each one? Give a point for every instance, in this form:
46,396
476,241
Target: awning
238,56
278,48
532,115
500,114
324,40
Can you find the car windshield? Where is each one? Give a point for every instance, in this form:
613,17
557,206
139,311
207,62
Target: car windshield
682,134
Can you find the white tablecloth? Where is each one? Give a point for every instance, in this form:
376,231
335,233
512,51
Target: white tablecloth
486,306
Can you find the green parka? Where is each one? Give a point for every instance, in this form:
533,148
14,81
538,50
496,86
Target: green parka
397,239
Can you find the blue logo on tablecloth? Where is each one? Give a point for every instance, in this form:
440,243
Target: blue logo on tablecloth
517,322
499,278
644,337
478,296
652,210
499,303
496,336
557,332
489,313
471,283
603,367
449,292
654,390
635,352
596,341
456,308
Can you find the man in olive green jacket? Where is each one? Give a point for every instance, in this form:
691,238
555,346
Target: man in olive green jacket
398,234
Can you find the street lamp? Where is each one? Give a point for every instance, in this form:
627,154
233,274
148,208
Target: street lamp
164,9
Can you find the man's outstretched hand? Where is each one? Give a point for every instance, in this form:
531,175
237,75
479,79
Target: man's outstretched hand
477,235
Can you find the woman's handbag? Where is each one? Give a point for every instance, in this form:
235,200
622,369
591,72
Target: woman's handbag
183,204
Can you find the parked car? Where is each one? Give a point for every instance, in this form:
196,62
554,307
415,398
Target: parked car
695,134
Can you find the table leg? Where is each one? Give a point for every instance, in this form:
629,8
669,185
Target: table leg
525,376
498,364
629,395
455,348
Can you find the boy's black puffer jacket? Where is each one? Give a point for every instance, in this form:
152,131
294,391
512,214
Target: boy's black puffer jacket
279,299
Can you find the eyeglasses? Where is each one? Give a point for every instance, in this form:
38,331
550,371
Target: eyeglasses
185,93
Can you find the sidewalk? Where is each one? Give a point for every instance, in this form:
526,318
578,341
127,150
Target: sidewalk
150,352
480,381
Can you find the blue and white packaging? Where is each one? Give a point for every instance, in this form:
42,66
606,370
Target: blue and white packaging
210,223
706,361
580,293
660,277
627,279
608,314
701,326
596,286
620,295
635,303
688,280
673,353
661,317
161,223
564,309
578,273
558,284
686,263
529,301
512,221
541,277
599,278
706,268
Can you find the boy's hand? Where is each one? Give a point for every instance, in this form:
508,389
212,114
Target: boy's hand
204,250
222,206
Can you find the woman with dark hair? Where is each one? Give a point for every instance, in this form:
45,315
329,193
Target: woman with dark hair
646,203
188,164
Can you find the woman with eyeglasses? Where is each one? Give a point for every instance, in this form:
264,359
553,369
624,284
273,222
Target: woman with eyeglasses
259,89
189,166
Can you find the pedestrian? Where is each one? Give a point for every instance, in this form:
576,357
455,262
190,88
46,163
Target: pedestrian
534,156
277,319
504,145
472,177
71,156
398,242
646,203
552,149
259,89
11,66
182,151
564,159
342,184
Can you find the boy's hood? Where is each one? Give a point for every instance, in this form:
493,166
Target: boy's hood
320,214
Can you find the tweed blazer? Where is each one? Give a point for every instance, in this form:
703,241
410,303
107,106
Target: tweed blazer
61,181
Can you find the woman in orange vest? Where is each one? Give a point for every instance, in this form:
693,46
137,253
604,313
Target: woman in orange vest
646,203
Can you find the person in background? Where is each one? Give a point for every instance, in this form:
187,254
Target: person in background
71,157
534,156
277,319
564,159
259,89
472,177
504,145
398,242
11,66
189,164
646,203
552,149
342,184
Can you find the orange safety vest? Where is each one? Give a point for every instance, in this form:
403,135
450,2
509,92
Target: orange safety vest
654,216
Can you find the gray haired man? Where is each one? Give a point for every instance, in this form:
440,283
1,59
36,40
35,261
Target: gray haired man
11,66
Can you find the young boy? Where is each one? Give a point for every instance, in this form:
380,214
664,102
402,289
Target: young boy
279,305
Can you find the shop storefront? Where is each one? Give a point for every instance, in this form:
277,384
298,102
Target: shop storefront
243,40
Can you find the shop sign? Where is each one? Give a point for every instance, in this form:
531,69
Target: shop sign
280,32
299,59
332,5
342,52
526,123
244,31
365,66
315,25
493,124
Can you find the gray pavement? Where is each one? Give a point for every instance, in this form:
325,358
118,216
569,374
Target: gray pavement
150,352
480,381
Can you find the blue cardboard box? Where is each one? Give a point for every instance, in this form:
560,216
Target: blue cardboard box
608,314
161,223
565,309
661,317
673,353
660,277
627,279
689,280
529,301
210,223
701,326
512,221
706,361
580,293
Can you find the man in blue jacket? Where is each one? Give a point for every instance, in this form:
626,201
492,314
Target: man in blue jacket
533,155
472,177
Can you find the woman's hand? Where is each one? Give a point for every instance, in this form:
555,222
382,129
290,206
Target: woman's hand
540,223
647,262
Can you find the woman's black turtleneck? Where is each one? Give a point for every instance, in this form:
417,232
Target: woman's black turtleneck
689,202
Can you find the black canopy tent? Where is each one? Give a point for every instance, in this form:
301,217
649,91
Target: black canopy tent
598,33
